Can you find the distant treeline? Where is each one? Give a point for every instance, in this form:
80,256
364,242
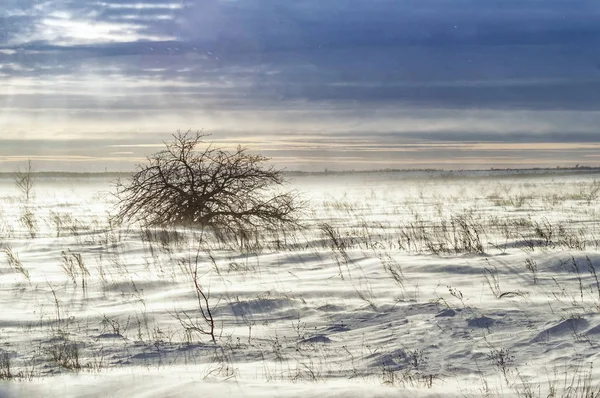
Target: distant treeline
493,170
327,172
536,170
61,174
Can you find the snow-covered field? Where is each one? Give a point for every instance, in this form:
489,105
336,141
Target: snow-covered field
398,286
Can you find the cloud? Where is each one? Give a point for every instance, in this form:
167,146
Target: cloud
66,23
366,74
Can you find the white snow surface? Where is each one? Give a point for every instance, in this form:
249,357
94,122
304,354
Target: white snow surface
397,286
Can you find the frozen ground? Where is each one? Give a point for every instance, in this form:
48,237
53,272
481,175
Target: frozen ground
398,286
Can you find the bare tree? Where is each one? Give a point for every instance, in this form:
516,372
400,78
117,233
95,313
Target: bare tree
229,192
25,180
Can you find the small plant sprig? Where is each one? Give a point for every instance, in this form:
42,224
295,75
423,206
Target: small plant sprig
15,263
532,266
74,267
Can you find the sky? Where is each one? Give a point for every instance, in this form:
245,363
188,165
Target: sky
91,85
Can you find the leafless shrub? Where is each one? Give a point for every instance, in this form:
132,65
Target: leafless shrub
25,180
65,354
230,193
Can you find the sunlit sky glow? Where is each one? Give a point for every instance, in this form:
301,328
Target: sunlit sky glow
346,84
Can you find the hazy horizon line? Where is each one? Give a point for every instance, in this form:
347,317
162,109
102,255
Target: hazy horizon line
576,168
